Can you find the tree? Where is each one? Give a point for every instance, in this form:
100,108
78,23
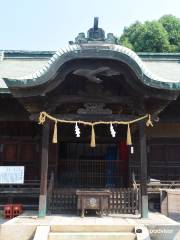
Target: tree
172,26
131,36
153,36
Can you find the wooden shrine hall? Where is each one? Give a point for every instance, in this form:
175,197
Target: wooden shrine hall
110,124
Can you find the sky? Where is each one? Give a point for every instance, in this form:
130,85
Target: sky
50,24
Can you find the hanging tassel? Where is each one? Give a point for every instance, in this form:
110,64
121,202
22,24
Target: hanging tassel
129,141
55,133
93,137
149,121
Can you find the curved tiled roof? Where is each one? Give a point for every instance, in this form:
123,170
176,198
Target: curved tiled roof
98,50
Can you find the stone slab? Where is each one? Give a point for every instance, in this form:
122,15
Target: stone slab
92,236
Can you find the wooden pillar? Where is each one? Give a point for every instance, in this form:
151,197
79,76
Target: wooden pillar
44,170
143,158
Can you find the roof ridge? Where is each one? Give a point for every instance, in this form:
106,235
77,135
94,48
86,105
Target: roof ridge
22,54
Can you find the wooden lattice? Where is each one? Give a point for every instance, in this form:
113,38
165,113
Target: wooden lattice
122,201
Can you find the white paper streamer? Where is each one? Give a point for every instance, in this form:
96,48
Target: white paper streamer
113,132
77,130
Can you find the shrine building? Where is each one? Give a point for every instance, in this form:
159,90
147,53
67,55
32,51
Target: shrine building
109,125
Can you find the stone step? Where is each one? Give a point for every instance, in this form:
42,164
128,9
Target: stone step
42,233
92,228
92,236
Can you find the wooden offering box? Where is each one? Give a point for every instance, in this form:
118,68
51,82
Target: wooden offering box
93,200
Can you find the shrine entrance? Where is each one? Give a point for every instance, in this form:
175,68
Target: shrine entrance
104,167
83,167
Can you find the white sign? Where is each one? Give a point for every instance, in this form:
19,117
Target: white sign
11,174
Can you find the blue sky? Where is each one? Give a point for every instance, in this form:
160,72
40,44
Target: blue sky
50,24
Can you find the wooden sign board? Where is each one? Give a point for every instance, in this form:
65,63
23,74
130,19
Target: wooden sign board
11,174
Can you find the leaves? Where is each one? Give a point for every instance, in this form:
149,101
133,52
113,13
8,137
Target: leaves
153,36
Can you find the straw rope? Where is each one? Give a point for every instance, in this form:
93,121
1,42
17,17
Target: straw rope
44,115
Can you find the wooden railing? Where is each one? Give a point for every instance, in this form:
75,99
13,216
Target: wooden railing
122,201
26,194
64,201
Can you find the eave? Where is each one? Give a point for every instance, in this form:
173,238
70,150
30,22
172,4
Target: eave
33,90
106,51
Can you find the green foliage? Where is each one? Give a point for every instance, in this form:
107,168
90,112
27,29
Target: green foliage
153,36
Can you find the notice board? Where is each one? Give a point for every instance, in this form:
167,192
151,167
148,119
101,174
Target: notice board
11,174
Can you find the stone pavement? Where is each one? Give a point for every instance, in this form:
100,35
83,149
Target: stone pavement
24,226
30,218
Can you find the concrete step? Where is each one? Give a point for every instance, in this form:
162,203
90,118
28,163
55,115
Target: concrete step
92,236
92,228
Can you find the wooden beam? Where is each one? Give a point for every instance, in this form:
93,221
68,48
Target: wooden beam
64,99
44,170
143,158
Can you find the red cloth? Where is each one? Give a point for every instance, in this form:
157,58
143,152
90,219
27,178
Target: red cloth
123,157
